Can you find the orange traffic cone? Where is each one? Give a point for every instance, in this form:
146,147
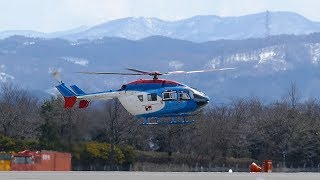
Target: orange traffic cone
255,168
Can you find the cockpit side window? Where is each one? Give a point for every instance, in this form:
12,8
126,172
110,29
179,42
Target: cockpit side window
169,96
123,87
140,97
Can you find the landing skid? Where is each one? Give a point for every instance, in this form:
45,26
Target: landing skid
173,121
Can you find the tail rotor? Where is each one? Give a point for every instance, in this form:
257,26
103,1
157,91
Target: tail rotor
56,75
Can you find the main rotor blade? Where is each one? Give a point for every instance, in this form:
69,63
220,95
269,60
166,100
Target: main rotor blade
110,73
156,73
197,71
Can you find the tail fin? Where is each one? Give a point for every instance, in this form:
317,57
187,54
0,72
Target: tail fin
69,96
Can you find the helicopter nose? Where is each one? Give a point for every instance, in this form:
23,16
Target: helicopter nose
201,100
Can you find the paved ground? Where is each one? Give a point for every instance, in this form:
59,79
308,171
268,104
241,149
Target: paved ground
82,175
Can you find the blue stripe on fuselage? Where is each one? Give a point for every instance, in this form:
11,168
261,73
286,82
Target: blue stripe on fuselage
173,107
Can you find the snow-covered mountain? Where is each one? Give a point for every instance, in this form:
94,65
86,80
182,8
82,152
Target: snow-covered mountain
204,28
196,29
264,67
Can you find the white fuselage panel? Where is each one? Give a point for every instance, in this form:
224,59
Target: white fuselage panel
134,105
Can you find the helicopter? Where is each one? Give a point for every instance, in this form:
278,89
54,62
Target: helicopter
145,98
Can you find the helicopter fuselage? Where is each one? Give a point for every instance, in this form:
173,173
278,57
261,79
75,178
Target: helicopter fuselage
160,98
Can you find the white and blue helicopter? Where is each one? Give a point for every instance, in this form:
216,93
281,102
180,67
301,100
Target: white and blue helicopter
150,99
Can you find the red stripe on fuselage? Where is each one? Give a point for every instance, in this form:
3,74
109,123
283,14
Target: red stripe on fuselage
156,81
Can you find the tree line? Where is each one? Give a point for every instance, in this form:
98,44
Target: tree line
106,137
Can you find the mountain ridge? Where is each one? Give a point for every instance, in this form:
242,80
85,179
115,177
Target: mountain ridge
201,28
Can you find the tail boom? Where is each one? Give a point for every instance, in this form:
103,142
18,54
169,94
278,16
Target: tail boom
76,96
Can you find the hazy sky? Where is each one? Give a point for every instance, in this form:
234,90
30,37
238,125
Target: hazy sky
57,15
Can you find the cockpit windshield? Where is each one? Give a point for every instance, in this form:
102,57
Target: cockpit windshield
198,95
183,96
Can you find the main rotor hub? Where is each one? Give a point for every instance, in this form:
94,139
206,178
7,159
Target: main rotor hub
155,74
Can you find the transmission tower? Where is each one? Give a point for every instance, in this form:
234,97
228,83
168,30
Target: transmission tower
267,25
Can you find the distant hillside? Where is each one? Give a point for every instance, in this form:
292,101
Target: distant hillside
264,67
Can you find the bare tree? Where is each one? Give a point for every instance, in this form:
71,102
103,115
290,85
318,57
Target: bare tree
294,95
65,125
19,112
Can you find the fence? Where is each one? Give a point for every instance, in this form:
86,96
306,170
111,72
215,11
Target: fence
144,166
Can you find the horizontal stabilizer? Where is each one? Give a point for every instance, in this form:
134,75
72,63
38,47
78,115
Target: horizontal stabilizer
83,103
77,90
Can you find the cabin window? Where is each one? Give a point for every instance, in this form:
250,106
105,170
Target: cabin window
152,97
29,160
140,97
171,95
5,156
183,96
19,160
22,160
